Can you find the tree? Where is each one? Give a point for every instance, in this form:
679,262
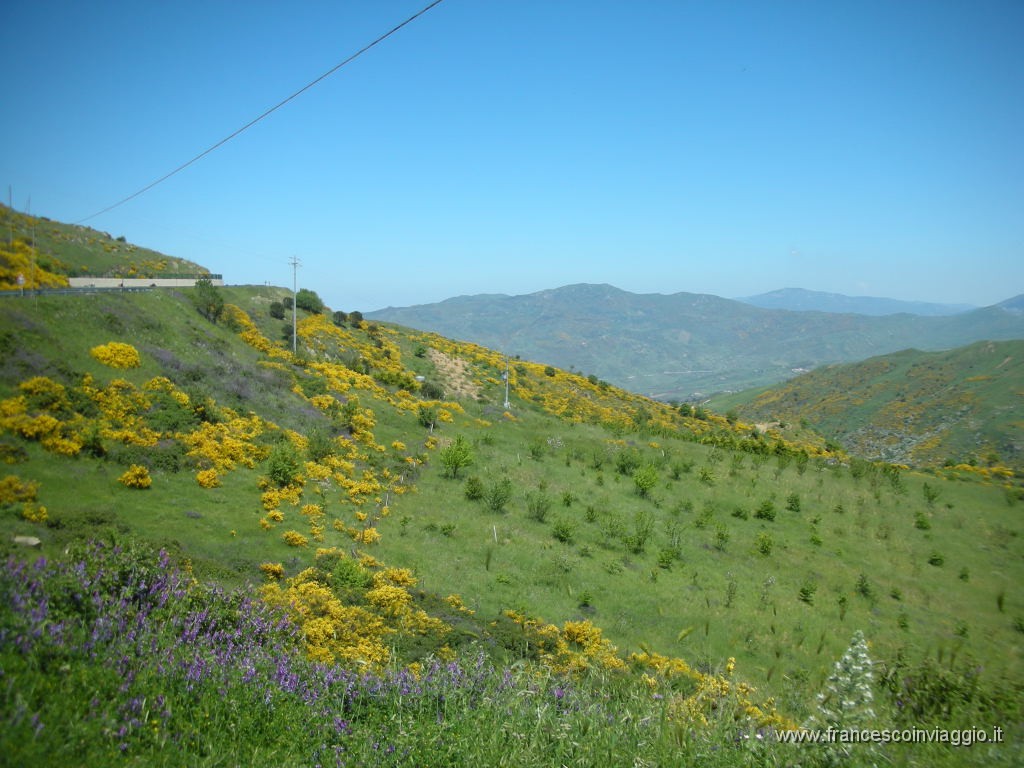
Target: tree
645,478
456,456
277,310
355,318
339,318
309,301
208,300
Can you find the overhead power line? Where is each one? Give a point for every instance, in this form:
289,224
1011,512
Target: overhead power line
273,109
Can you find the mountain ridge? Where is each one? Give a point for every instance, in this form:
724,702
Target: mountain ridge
802,300
687,345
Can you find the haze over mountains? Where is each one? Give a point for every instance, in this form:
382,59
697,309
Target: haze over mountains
688,346
802,300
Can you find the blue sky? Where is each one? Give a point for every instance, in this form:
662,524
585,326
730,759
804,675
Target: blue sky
492,146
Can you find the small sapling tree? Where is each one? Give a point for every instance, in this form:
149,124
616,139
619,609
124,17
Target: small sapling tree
456,456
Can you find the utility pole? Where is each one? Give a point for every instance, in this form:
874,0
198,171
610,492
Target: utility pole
294,261
32,252
507,403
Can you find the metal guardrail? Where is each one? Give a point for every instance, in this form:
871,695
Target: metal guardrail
161,276
18,293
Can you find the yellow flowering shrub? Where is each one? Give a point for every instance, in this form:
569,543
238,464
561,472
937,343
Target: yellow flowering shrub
455,601
116,354
225,445
390,599
32,427
708,696
34,513
137,476
399,577
273,570
578,646
294,539
314,470
122,407
236,317
208,478
325,403
365,536
19,259
369,561
65,446
45,394
333,632
272,498
14,490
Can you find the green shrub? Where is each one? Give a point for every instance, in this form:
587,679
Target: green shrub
766,511
309,301
208,300
807,591
563,531
474,488
538,504
498,494
426,416
283,464
627,461
644,480
863,587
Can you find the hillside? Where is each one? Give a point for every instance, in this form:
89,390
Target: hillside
922,408
426,574
674,534
687,346
72,250
802,300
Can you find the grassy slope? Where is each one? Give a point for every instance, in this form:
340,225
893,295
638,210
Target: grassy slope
82,250
915,407
673,595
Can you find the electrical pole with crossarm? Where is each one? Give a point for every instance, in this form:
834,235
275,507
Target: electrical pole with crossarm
294,261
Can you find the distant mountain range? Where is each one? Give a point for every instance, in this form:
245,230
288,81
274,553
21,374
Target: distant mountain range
909,407
802,300
686,345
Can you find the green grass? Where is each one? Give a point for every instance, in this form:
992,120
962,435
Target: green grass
781,642
699,587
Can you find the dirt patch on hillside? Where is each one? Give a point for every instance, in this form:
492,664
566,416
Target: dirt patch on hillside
454,374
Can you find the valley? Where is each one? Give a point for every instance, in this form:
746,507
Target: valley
672,565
